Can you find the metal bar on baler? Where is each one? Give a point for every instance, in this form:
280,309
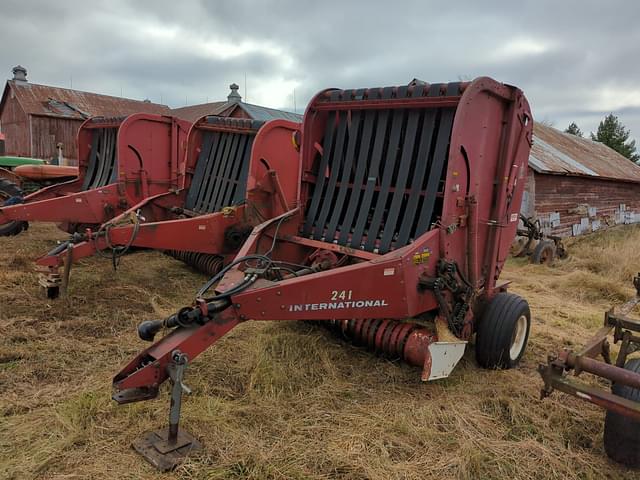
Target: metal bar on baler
423,102
231,185
215,159
217,174
104,159
207,178
106,173
334,172
241,189
361,168
439,161
198,174
104,145
236,186
354,137
225,169
113,160
407,159
388,167
373,171
424,163
322,168
214,155
91,168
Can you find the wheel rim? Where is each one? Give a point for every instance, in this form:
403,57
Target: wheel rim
519,337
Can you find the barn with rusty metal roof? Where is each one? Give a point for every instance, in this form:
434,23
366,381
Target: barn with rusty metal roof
36,119
576,185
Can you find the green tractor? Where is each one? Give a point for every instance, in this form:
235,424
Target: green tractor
20,176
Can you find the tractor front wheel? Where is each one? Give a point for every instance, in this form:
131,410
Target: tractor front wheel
503,331
621,434
8,190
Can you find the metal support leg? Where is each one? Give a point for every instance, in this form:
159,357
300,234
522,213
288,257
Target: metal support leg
67,269
168,447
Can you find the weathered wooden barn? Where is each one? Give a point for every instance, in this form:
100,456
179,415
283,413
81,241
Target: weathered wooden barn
576,185
36,118
234,107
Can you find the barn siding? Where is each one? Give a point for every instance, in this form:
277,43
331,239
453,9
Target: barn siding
15,126
571,197
49,131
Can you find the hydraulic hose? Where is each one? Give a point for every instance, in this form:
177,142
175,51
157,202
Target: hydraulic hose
147,330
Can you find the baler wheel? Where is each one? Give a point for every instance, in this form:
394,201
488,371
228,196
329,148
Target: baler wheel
503,331
621,434
544,253
9,190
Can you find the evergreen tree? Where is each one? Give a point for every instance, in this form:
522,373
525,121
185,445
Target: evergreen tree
613,134
573,129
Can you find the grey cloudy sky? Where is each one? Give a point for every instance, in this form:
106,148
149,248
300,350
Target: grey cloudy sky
575,60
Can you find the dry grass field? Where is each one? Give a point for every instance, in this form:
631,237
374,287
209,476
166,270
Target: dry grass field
288,400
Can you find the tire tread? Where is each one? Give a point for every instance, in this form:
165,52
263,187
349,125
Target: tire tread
496,328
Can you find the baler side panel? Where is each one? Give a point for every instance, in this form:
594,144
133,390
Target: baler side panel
488,161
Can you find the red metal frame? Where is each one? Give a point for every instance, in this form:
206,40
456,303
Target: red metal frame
150,152
486,167
272,189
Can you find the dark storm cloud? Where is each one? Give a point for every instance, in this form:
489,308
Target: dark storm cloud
575,60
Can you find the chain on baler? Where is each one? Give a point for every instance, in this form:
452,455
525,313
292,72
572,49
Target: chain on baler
450,279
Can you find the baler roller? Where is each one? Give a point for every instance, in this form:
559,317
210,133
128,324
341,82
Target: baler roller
206,263
390,338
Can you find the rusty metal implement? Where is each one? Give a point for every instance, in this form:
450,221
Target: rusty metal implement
623,329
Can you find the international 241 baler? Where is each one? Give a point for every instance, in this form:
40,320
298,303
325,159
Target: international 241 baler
408,205
238,173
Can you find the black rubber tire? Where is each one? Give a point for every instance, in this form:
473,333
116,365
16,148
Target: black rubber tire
545,252
621,434
497,329
9,189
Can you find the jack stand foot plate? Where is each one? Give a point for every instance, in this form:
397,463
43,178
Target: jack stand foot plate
156,449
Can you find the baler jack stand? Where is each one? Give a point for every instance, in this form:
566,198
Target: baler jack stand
166,448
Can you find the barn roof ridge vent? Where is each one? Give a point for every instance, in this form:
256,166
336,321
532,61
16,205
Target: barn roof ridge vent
234,96
19,73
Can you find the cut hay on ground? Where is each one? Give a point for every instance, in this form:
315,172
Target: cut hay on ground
287,400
